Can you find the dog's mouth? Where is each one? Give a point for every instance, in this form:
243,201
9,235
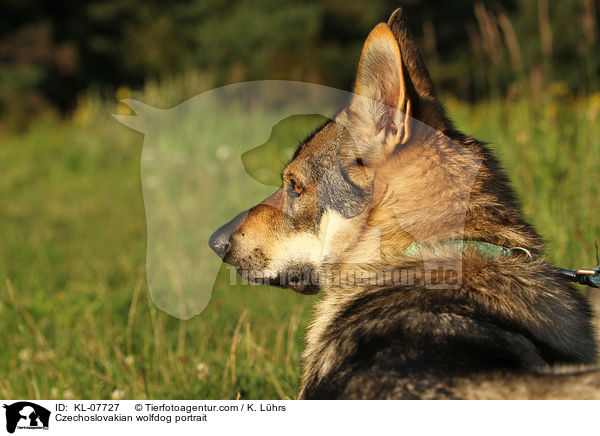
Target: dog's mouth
303,281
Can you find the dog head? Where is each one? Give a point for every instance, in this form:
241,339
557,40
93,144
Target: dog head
357,180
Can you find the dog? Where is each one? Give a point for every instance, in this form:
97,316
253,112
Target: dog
434,284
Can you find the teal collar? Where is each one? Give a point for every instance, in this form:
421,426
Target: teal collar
588,277
488,249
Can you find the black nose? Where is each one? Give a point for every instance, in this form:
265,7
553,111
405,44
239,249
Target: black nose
220,241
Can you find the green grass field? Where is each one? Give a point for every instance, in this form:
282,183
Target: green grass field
75,314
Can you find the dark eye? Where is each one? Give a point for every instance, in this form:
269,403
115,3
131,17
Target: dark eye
298,189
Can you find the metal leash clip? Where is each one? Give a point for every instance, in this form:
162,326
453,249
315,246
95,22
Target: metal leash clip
588,277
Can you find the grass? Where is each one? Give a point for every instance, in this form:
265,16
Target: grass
75,311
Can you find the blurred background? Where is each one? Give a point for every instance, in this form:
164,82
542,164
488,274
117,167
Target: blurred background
52,52
74,306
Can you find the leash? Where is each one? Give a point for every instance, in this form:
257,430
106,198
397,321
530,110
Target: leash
588,277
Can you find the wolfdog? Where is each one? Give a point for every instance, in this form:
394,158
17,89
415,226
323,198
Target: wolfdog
434,284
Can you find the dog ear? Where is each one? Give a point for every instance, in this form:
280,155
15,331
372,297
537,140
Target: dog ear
427,107
382,103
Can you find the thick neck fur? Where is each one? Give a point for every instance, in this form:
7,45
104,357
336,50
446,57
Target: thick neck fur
415,204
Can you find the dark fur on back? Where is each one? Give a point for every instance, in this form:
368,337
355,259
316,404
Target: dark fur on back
415,342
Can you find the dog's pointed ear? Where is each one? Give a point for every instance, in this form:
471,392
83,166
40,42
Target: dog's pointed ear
427,107
382,101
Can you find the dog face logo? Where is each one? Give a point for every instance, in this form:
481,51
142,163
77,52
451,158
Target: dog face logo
354,183
26,415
